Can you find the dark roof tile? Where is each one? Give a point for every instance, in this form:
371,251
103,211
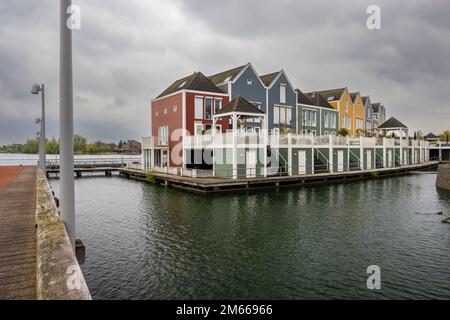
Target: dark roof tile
392,123
240,104
267,79
196,81
231,74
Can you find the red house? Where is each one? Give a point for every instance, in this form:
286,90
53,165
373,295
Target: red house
185,108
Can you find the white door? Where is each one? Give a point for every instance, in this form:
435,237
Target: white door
389,159
301,162
369,159
251,163
340,161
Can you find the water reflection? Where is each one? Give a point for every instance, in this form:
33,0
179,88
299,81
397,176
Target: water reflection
148,242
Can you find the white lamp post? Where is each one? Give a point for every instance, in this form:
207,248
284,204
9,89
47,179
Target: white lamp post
35,89
67,188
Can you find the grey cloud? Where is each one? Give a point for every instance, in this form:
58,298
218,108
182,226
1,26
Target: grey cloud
127,52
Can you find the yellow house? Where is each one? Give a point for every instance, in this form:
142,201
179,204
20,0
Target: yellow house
359,114
340,100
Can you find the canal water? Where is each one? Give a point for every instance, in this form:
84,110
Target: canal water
148,242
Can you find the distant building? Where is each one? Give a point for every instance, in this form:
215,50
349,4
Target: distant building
379,115
340,100
114,147
358,114
132,146
315,115
369,116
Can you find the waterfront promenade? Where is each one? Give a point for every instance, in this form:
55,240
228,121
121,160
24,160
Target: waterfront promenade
36,258
18,232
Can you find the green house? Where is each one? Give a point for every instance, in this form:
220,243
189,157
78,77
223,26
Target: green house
315,115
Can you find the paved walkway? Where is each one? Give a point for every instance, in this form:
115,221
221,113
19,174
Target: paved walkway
17,233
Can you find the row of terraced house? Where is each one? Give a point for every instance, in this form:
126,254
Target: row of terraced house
196,119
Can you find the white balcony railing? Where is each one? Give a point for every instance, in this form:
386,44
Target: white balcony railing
208,141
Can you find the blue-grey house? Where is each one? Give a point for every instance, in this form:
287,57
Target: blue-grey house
369,116
245,82
281,102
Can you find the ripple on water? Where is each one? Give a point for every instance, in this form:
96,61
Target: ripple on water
147,242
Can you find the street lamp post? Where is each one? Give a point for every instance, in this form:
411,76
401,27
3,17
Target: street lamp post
36,88
67,189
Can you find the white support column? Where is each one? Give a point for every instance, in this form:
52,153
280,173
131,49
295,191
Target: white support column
312,159
265,144
290,154
234,146
401,147
347,143
331,154
361,153
384,154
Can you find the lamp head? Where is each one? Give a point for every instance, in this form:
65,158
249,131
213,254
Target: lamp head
35,89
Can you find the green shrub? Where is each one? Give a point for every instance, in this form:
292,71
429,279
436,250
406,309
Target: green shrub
374,175
150,176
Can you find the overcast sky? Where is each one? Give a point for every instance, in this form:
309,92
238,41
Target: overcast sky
128,51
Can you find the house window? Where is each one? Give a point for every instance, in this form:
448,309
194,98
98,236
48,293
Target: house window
175,108
276,115
325,133
282,93
208,108
346,105
359,124
330,120
198,108
249,82
282,115
275,131
157,113
165,110
217,105
163,135
198,129
309,118
333,120
288,115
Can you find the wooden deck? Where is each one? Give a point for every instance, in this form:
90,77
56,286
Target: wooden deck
211,185
17,233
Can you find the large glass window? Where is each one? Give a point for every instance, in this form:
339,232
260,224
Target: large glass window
208,108
163,135
276,115
309,118
198,108
282,115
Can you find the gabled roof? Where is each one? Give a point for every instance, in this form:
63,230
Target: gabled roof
228,75
353,96
376,107
364,99
267,79
392,124
318,100
431,136
239,104
302,98
196,81
332,94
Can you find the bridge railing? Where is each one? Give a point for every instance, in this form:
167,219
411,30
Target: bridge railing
95,162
